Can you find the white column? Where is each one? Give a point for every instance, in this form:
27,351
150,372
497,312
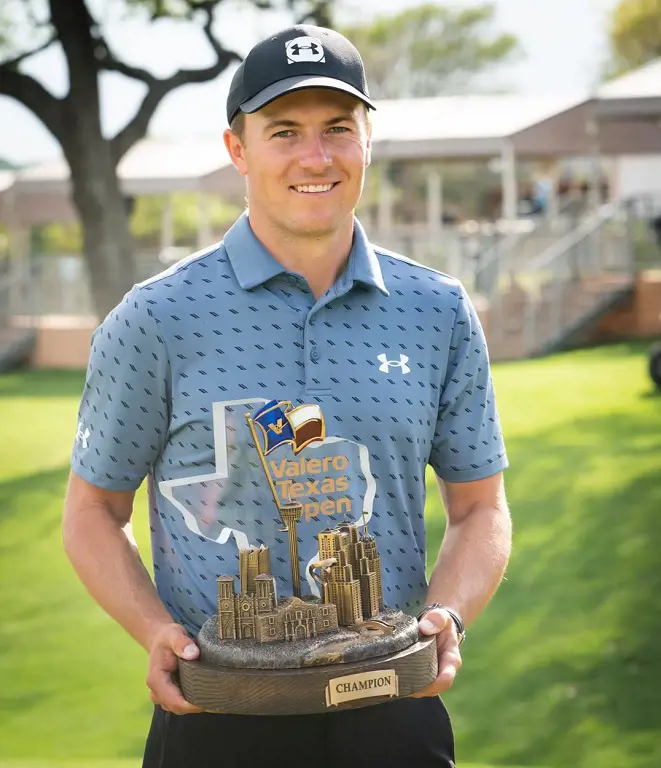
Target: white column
509,181
553,175
434,202
204,235
592,130
19,254
386,200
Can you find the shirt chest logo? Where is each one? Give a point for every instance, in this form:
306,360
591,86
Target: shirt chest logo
386,364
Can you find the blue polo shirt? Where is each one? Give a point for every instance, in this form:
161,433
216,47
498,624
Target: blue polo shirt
394,357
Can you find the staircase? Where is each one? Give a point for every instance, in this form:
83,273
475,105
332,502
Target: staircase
545,305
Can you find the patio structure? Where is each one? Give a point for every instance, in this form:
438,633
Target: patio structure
620,118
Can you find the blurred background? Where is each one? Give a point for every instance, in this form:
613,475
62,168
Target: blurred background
517,146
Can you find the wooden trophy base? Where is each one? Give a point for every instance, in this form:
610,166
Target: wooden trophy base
310,690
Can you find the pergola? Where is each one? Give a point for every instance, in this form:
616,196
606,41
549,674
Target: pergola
621,118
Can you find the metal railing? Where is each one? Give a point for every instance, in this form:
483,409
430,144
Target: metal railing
576,277
17,305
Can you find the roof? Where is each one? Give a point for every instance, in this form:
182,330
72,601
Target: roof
459,125
636,95
643,83
152,166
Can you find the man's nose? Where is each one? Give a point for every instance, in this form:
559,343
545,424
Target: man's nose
316,157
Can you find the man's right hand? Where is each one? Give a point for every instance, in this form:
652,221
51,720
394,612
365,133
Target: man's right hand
170,643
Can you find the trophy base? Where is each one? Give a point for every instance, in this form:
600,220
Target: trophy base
243,691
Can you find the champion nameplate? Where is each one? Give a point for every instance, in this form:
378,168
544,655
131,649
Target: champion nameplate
361,686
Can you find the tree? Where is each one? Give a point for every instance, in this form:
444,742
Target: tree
634,35
429,50
75,121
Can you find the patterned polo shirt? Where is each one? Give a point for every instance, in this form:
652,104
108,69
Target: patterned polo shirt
393,357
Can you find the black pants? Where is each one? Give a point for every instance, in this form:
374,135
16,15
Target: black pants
413,733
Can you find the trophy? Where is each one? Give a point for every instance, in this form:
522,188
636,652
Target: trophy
305,654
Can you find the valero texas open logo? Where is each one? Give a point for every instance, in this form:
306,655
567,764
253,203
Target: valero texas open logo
278,423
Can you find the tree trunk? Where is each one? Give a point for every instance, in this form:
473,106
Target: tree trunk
107,241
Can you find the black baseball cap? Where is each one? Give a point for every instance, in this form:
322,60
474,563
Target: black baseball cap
299,57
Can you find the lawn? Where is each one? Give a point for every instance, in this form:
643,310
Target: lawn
562,670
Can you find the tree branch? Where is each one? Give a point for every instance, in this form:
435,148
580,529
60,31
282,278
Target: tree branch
158,89
13,63
32,95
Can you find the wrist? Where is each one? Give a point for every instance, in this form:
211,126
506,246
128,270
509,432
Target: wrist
452,613
156,629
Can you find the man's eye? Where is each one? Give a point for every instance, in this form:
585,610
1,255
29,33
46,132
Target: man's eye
339,129
283,134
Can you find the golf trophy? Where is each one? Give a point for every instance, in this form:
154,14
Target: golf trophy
304,654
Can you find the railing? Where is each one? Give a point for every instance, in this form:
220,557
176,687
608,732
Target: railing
16,312
575,278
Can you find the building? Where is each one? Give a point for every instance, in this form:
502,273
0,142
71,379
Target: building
352,592
296,619
258,616
252,562
354,582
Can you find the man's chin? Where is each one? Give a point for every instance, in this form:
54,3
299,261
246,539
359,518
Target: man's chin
318,227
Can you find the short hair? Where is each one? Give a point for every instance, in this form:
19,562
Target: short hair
238,124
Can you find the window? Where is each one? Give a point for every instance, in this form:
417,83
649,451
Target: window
326,623
299,614
272,632
324,611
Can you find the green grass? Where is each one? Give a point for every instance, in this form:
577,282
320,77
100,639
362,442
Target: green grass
562,670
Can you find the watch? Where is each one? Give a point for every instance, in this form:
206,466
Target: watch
456,618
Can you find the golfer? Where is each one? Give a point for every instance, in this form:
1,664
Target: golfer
295,305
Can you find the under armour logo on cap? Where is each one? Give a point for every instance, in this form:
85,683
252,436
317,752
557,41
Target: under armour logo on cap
386,364
305,49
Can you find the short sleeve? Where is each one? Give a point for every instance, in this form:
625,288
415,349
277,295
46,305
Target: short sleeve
124,411
468,442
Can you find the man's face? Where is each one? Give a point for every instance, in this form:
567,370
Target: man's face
304,156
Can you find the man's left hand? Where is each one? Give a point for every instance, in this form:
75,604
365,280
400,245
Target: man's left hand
438,622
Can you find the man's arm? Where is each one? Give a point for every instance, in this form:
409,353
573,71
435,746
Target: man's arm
470,565
98,541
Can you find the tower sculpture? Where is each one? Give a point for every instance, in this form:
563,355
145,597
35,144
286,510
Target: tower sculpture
291,514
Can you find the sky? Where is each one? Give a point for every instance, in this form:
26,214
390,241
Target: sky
563,46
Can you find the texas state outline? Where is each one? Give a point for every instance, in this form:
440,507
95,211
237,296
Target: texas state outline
221,461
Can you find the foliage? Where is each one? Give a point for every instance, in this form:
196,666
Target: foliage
147,216
74,119
561,670
146,222
429,49
634,34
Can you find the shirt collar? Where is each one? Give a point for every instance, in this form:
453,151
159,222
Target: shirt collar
253,265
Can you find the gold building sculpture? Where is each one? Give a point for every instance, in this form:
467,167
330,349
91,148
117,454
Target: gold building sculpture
353,582
252,562
258,616
351,585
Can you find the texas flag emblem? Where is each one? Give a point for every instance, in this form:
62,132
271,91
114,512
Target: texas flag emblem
280,423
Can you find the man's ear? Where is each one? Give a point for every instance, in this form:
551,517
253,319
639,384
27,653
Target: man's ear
236,151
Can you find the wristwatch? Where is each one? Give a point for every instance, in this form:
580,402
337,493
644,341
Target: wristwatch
456,618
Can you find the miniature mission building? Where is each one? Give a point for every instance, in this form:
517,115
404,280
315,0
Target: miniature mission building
351,584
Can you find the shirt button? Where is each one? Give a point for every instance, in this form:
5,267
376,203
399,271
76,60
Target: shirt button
315,354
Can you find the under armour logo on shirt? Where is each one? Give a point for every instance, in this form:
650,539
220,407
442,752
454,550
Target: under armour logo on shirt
386,364
83,437
305,49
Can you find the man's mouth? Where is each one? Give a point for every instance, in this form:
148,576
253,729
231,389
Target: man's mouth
314,189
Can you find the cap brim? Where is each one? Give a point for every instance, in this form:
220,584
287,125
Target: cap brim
291,84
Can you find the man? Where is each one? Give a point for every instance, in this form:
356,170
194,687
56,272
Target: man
295,305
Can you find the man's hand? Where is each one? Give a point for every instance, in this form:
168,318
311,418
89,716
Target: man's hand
169,644
438,622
